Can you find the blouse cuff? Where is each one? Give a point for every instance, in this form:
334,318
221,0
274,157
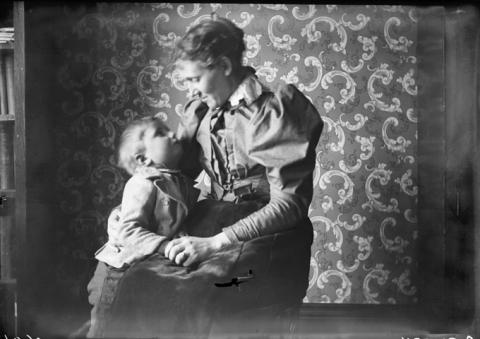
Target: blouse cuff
161,248
231,235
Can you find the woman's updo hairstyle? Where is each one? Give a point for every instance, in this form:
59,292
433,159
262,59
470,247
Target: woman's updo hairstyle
210,40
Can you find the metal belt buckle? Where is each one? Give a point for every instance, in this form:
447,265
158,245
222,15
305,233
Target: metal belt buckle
239,173
227,187
243,191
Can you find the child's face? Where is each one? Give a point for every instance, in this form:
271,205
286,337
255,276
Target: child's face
162,150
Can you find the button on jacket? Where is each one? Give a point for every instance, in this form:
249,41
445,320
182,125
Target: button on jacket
260,139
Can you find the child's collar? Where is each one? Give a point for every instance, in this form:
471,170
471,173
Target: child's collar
151,171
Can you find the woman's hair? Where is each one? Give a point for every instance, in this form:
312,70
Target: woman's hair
210,40
131,141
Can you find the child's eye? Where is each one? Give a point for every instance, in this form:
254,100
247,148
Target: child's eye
159,132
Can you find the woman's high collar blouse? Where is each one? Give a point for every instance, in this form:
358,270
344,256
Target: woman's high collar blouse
272,143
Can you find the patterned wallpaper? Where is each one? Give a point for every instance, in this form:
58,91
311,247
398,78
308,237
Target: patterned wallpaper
357,64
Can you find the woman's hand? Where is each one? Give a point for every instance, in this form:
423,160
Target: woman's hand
189,250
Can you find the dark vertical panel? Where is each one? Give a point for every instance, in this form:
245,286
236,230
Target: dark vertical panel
41,291
431,154
20,159
476,185
461,25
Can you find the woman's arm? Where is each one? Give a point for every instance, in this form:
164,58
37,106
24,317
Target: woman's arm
284,136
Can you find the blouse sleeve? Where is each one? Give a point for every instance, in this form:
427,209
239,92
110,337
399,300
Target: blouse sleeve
194,111
285,133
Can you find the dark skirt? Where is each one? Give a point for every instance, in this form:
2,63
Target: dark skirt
156,298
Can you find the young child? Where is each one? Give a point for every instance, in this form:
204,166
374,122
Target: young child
156,199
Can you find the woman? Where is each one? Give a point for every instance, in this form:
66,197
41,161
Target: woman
258,148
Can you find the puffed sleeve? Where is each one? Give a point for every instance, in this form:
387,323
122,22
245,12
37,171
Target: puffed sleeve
194,111
284,135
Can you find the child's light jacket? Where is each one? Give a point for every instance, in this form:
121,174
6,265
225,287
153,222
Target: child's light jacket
155,202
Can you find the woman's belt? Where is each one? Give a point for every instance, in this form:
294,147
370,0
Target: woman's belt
253,187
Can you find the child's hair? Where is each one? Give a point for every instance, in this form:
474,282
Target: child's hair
131,141
210,40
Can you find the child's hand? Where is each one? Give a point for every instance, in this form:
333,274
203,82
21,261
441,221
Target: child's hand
114,216
113,222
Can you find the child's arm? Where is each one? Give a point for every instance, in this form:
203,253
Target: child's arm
131,233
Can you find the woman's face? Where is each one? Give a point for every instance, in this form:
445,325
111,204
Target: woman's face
211,83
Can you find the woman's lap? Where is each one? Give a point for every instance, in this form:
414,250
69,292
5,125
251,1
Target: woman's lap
155,296
279,265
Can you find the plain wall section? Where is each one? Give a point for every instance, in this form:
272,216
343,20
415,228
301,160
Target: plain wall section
44,299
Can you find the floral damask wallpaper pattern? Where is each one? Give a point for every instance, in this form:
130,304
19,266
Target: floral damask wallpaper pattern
357,64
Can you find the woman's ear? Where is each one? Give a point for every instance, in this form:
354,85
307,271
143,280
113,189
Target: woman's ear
227,65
